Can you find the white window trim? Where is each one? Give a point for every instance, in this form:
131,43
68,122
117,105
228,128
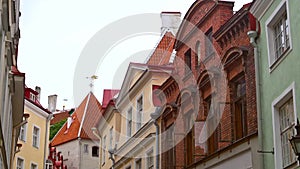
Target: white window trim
151,150
25,133
34,164
127,114
137,159
39,136
21,159
143,108
280,100
111,138
270,37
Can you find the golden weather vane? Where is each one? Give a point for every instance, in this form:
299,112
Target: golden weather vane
92,79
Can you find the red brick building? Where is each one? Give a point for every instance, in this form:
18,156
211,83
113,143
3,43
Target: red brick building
209,119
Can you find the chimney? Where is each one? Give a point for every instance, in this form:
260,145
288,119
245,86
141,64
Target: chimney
170,21
69,122
38,90
52,99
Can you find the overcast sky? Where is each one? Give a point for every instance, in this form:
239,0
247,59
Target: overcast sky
54,33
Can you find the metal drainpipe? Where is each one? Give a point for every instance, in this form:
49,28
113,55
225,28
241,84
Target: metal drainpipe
252,35
157,143
46,138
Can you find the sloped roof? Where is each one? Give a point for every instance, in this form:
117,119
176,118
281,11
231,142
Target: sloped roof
84,118
62,115
108,94
162,53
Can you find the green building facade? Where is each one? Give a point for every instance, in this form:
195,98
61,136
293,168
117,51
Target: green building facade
278,79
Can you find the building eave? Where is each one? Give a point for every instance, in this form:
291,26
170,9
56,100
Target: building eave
259,7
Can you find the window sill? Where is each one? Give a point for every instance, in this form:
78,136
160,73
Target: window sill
274,65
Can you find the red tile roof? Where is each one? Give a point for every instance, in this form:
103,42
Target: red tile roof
84,118
108,94
62,115
163,51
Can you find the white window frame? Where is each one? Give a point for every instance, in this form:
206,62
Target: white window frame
139,114
103,149
111,138
38,136
33,163
24,128
150,153
269,26
23,160
276,104
48,164
129,121
135,163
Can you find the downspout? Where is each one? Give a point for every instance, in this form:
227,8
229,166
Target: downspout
157,143
252,35
46,137
79,141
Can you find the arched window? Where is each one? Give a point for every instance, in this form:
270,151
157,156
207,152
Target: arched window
49,164
198,52
95,151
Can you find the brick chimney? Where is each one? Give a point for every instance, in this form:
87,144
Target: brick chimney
170,21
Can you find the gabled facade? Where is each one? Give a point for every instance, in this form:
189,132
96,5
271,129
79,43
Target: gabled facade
210,116
76,140
277,45
34,135
12,82
136,145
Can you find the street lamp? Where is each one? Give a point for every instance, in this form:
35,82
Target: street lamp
295,141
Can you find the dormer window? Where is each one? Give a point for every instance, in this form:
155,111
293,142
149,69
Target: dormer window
32,97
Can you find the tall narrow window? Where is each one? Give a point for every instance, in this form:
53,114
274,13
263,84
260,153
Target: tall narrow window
150,162
22,135
281,33
188,61
86,148
278,33
103,149
240,114
170,154
198,52
36,137
287,122
209,49
95,151
138,164
20,163
129,122
139,113
111,138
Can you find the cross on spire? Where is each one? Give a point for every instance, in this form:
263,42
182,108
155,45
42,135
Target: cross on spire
92,79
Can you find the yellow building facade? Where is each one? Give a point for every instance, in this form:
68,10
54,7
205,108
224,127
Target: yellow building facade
127,131
34,135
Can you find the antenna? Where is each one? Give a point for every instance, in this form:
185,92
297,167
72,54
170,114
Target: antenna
92,79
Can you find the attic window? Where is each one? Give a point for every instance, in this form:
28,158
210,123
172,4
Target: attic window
32,97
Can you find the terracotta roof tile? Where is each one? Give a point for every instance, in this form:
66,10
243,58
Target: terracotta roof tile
163,51
84,118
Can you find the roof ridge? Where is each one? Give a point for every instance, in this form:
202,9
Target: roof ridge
84,113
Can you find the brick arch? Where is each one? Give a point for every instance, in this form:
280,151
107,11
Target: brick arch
232,54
